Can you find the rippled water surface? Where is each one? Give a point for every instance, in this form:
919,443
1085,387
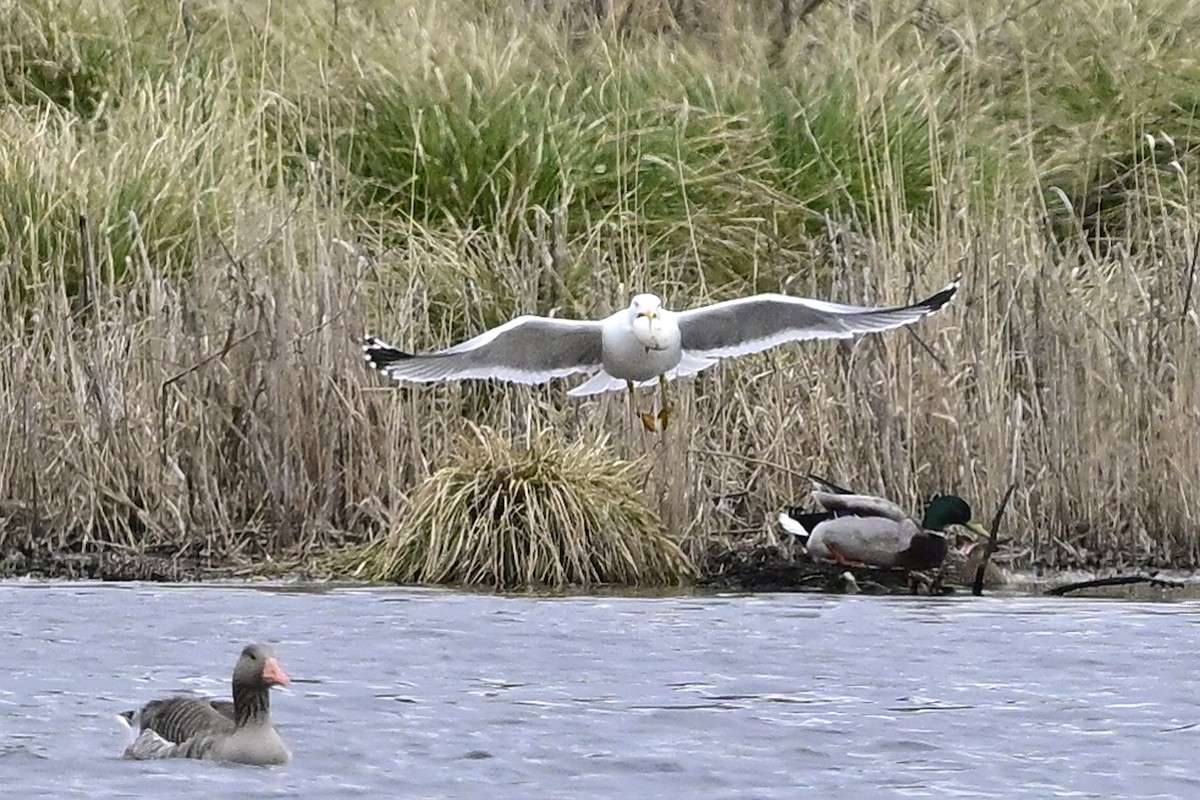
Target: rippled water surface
436,694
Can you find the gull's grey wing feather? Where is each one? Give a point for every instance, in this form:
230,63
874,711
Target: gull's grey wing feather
753,324
528,349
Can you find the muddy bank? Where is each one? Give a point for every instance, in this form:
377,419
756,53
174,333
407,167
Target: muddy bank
740,568
121,565
778,568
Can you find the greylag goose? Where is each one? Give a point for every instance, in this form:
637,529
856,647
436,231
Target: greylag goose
217,730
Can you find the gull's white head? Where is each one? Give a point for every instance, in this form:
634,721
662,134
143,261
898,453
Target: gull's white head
645,305
644,312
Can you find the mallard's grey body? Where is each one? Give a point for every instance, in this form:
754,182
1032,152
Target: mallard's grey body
862,530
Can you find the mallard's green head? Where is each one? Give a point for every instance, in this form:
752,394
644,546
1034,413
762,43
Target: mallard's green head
949,509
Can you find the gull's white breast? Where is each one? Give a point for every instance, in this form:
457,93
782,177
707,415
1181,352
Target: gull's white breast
640,354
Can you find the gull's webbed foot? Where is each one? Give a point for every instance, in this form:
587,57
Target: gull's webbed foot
648,421
664,415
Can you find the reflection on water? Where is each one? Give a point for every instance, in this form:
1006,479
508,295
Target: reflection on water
436,694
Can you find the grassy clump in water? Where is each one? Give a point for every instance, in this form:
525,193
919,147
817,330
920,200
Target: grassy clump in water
550,515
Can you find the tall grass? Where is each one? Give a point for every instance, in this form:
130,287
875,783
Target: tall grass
510,516
199,214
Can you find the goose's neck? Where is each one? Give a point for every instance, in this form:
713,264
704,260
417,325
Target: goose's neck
251,705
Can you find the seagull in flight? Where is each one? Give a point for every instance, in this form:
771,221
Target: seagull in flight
643,343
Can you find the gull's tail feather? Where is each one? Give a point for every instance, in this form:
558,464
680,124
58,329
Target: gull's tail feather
691,364
603,382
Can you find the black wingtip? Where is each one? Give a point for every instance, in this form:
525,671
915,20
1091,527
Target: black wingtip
936,301
379,354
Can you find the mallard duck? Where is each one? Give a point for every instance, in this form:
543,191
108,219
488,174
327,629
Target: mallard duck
858,530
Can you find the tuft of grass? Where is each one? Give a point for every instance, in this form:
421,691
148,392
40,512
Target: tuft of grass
550,515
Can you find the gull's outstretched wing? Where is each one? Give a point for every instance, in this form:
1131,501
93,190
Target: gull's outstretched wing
753,324
528,349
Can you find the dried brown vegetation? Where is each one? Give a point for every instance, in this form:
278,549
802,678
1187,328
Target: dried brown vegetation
198,220
541,515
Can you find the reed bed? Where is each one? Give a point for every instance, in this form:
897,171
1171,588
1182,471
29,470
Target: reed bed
205,204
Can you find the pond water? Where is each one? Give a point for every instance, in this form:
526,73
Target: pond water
430,694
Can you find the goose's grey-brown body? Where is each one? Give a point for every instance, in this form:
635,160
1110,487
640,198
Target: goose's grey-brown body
217,730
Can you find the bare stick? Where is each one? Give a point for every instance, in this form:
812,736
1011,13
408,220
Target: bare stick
929,350
90,285
1191,281
230,343
187,20
977,588
749,460
1115,580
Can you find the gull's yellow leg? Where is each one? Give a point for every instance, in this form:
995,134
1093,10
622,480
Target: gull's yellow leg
664,412
630,399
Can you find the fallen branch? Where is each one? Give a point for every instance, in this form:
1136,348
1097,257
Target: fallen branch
1115,580
977,588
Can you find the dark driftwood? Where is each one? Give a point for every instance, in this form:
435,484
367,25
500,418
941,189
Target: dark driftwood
977,588
1115,580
